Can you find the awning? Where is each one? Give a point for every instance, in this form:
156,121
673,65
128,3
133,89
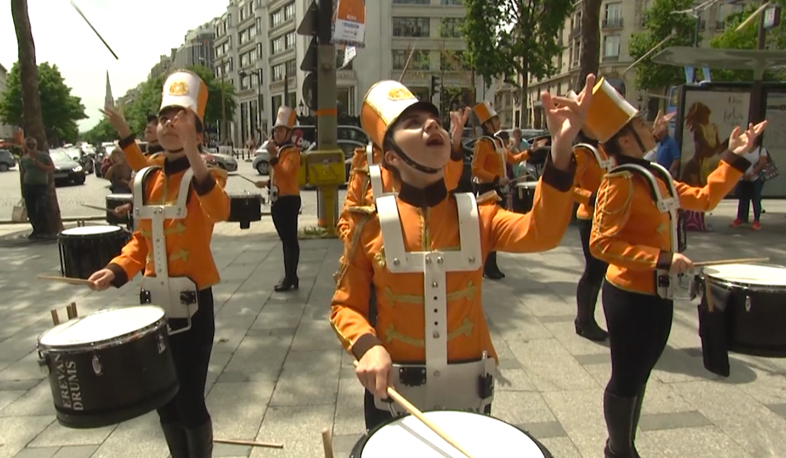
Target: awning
731,59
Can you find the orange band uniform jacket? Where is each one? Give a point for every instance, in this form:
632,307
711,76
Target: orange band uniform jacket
285,170
134,156
588,177
360,196
400,297
487,165
188,239
632,236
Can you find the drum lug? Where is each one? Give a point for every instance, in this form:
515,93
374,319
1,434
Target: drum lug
747,303
161,344
43,363
97,365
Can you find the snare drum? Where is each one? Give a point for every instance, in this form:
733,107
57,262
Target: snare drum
109,366
244,208
84,250
113,201
746,307
481,435
525,196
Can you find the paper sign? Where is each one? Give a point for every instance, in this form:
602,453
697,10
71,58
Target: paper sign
349,53
349,25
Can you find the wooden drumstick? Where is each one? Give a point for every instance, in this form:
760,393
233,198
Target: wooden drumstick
55,317
402,401
247,179
96,207
327,442
248,443
721,262
69,280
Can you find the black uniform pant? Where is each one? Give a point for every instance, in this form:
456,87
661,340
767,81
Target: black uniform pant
490,265
191,351
284,212
639,327
37,205
592,277
376,417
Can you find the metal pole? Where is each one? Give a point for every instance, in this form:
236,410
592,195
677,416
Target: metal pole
326,105
224,127
259,106
756,112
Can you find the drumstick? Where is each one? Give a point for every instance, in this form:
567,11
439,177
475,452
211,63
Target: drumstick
721,262
69,280
96,207
248,443
55,317
247,179
94,30
327,442
402,401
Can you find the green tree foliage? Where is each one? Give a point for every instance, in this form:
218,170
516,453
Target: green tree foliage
60,110
659,22
148,101
747,38
507,38
100,133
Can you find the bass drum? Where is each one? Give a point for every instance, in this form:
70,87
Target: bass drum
109,366
481,435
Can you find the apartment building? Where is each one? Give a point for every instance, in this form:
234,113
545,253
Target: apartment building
258,50
197,49
6,131
619,20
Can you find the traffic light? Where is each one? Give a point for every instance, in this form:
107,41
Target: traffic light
310,26
436,85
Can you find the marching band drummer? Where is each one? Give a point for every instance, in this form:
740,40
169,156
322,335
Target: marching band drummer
285,193
179,203
422,251
635,231
489,168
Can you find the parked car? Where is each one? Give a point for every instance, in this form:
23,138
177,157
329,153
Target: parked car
224,161
66,169
7,160
261,162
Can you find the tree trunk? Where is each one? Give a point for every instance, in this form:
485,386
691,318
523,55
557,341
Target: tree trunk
523,96
32,120
589,60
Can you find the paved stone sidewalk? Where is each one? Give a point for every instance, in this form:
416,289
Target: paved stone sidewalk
278,372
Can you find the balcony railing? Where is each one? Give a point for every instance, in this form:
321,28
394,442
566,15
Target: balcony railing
612,23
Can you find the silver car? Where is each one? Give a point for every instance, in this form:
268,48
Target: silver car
225,161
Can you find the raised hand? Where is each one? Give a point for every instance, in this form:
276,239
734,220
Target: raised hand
565,118
114,115
741,143
662,122
184,125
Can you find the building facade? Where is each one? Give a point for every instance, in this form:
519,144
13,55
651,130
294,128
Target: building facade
619,20
6,131
197,49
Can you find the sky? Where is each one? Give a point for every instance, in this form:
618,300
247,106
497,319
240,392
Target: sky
139,32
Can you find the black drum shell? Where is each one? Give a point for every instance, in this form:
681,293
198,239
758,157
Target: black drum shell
244,209
759,330
81,255
357,450
113,201
135,378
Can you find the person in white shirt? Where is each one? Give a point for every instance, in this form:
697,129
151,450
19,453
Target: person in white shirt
750,186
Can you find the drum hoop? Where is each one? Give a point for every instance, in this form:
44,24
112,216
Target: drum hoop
97,235
387,422
106,343
717,280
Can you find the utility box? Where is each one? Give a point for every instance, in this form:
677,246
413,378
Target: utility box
325,168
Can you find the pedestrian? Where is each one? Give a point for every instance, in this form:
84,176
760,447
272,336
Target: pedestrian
119,173
490,162
668,154
36,168
191,269
285,193
750,187
637,237
423,248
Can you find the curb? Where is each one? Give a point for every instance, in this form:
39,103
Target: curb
73,219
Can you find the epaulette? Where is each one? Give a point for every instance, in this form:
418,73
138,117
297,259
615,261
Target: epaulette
619,173
488,198
365,209
361,170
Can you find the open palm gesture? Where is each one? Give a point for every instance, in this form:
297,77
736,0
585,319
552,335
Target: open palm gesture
742,143
564,118
661,122
114,115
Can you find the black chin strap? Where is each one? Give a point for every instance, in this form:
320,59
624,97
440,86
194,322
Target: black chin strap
408,160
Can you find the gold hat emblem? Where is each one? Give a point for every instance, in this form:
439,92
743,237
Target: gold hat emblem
178,88
400,93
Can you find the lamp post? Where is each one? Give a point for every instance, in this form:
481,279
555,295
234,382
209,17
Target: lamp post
258,75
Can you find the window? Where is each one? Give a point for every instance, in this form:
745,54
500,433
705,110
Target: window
420,59
278,72
451,27
289,41
613,15
575,53
243,13
411,2
410,27
451,2
276,18
258,25
277,46
276,101
611,46
452,61
291,68
289,11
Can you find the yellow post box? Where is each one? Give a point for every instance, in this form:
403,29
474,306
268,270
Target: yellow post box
325,168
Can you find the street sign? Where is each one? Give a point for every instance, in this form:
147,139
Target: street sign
772,17
309,62
309,93
308,26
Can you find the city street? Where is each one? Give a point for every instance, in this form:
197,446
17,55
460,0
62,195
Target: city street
278,373
94,191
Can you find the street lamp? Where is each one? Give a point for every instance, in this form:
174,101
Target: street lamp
301,109
258,75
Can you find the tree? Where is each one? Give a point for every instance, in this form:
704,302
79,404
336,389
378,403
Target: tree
101,132
589,59
31,117
748,38
659,23
60,110
506,38
214,89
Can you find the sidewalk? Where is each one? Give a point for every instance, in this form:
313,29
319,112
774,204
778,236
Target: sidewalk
278,372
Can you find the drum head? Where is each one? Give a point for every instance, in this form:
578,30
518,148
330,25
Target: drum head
748,274
101,326
91,230
481,435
